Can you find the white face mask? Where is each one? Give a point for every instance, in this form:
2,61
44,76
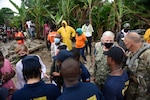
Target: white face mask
56,40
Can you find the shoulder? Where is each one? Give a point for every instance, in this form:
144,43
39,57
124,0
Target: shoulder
90,86
98,44
146,54
59,29
19,63
19,94
148,30
146,48
6,60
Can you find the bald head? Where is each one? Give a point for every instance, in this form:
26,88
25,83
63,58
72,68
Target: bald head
134,37
133,41
70,68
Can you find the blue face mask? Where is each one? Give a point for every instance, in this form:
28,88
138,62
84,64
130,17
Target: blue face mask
56,40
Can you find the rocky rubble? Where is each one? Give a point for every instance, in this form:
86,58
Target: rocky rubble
9,47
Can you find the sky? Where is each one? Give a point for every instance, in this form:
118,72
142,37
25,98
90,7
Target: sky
6,3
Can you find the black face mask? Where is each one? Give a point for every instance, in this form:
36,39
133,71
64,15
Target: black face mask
21,57
126,30
108,45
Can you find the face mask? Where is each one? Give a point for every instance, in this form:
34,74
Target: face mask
56,40
126,30
108,45
21,57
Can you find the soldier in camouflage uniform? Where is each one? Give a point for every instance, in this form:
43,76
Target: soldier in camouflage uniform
101,69
139,67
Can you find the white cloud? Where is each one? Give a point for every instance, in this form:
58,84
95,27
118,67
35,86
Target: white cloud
6,3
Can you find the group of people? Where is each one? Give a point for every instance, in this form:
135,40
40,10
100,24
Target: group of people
121,70
126,70
82,36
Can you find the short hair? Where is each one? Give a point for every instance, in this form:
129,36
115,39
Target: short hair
21,47
76,53
135,37
70,68
107,33
53,27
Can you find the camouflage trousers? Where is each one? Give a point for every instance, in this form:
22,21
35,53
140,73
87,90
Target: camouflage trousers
133,93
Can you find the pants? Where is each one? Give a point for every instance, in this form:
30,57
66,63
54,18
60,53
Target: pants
81,50
89,44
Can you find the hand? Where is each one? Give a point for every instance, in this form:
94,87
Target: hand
56,74
12,90
5,77
45,75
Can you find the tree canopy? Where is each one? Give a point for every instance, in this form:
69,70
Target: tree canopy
103,15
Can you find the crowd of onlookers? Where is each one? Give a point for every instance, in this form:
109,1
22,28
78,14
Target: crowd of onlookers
121,69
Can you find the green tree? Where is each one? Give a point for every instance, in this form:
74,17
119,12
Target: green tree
6,15
21,14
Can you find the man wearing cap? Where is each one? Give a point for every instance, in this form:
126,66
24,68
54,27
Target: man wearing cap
120,35
35,89
61,56
117,82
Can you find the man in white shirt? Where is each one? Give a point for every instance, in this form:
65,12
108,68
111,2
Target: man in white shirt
87,30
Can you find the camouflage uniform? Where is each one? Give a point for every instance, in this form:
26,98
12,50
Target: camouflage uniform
139,72
101,69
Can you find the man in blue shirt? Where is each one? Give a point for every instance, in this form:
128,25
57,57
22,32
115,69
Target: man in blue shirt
117,82
75,90
85,75
35,89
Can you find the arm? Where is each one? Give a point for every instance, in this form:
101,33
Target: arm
91,28
8,76
19,38
43,67
118,37
20,78
73,32
83,29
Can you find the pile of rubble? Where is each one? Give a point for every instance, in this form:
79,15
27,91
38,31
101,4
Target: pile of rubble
9,47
